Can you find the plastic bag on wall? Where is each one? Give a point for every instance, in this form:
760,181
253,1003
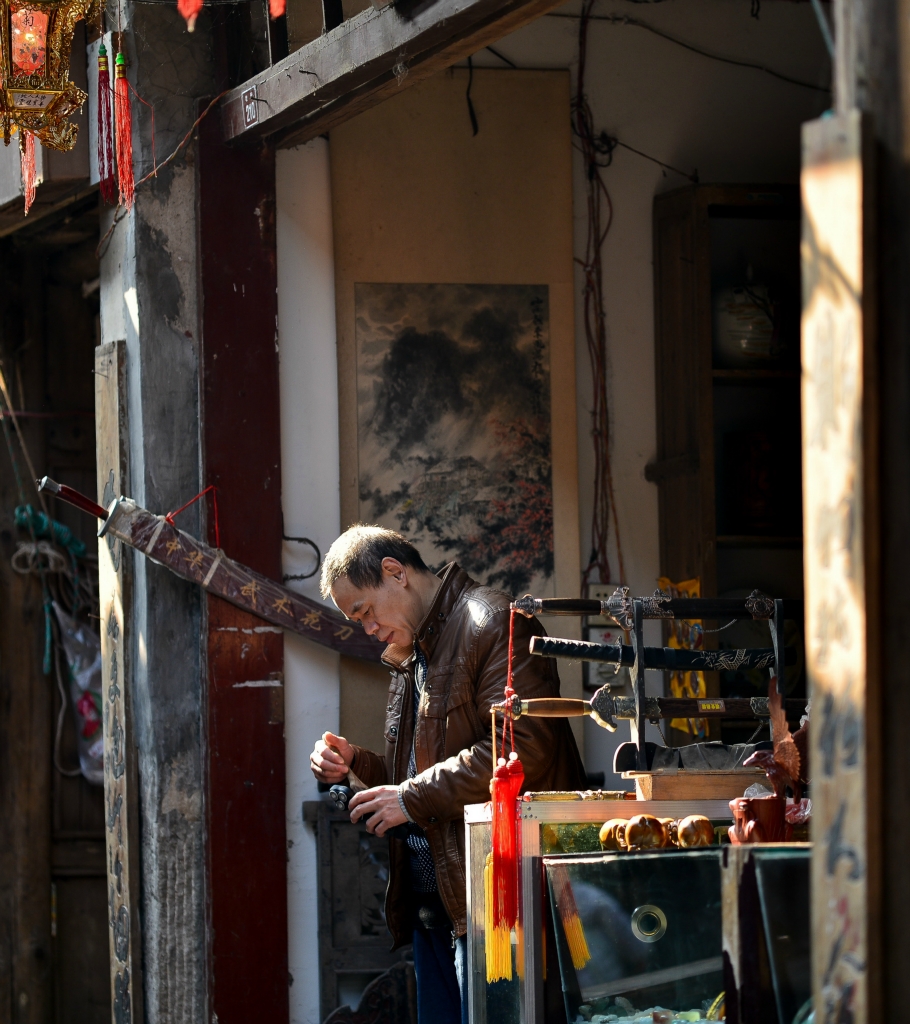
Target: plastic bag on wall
82,647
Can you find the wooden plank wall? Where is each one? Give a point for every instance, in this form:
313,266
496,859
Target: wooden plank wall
840,495
241,456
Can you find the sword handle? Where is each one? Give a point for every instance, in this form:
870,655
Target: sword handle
555,707
71,496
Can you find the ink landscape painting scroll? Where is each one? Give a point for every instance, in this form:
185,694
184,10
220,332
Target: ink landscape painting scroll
453,423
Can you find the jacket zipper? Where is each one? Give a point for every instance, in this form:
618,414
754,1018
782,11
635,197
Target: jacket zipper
395,774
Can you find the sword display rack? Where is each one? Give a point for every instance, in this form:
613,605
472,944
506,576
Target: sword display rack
630,614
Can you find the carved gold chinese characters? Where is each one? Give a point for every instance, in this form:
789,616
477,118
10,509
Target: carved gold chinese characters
35,43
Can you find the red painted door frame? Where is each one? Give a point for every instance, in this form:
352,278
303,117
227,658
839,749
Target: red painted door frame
239,406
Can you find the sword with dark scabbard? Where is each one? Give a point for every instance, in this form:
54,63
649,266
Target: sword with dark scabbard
157,538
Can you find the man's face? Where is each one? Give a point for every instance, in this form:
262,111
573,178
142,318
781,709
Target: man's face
390,612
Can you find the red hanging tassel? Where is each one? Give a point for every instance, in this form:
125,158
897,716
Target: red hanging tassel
124,118
508,778
107,184
190,9
277,7
27,155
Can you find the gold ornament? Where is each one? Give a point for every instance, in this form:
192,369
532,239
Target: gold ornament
645,832
36,94
612,834
696,830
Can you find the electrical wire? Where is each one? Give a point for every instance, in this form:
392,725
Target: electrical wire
622,19
121,211
691,176
596,149
502,57
824,27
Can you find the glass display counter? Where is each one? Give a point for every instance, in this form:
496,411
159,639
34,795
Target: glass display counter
638,936
782,881
766,933
556,826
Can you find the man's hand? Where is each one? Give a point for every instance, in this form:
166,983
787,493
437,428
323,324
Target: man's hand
331,765
382,803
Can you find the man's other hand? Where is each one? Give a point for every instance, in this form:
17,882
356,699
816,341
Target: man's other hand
382,803
331,765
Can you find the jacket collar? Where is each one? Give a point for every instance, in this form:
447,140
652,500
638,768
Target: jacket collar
454,581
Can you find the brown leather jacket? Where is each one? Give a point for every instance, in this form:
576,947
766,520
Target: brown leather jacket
465,637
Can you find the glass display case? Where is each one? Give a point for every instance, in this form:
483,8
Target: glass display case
782,881
638,936
766,933
553,826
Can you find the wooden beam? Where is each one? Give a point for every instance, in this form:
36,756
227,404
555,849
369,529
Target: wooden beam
364,60
241,436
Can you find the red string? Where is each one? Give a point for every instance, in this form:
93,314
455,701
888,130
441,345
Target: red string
508,779
169,518
509,691
154,170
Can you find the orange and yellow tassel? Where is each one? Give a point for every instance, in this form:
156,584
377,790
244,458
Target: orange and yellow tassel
568,914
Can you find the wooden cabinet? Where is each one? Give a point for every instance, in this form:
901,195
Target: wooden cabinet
728,418
357,968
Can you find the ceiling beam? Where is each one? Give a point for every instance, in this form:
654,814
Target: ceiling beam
363,61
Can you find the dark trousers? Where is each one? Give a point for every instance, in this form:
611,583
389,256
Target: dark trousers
442,995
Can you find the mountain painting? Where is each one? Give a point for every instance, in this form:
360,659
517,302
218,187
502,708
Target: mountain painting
453,416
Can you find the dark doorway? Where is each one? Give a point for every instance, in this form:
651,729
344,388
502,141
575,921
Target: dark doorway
53,888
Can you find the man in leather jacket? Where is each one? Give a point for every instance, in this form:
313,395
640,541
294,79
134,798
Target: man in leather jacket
447,640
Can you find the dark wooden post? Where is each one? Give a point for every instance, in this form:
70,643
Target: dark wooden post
241,457
115,583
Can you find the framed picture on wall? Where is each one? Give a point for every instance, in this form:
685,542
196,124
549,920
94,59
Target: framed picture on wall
453,425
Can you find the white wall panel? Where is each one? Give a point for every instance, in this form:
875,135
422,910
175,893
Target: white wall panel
310,488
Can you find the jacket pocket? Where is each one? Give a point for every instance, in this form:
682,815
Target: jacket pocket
446,689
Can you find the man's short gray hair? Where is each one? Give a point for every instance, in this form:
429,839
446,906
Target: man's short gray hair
358,555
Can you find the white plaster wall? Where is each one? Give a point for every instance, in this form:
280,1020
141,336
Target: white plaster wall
732,124
310,502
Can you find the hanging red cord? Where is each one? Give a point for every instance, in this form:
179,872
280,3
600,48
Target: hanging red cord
596,153
153,173
508,778
169,518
